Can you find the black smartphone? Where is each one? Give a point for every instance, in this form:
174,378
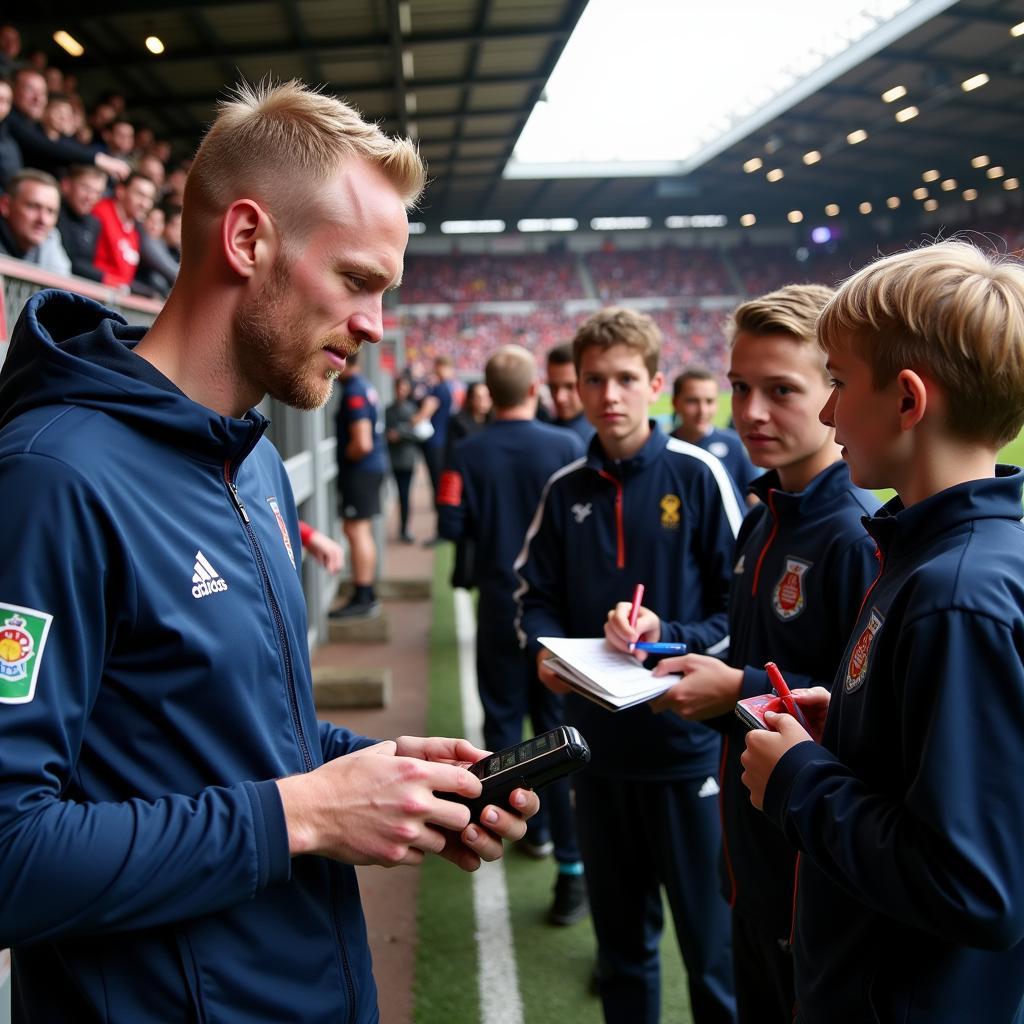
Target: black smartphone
528,765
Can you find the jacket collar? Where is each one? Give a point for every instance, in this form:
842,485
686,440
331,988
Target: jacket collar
652,448
898,529
828,486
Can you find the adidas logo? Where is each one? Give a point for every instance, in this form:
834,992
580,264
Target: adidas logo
710,787
206,579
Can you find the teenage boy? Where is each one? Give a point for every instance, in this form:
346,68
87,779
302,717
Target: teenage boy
802,564
488,496
695,401
907,809
644,509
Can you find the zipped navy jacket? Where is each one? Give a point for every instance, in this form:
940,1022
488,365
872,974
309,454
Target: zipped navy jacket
910,815
154,681
666,518
803,563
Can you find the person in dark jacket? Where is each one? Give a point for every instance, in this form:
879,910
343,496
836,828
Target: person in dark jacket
10,152
403,449
81,190
488,496
802,564
642,508
177,829
905,801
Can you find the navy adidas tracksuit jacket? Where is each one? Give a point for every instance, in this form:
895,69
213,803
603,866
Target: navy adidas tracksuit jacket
803,563
910,815
154,681
666,518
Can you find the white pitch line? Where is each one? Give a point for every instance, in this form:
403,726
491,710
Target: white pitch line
497,978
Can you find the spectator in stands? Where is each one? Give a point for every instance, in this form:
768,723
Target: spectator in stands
153,169
695,400
362,463
82,189
36,149
58,117
565,396
144,139
117,248
10,154
28,221
55,81
176,178
10,49
119,138
157,267
403,449
100,116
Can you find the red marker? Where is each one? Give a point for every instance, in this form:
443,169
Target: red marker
784,692
638,596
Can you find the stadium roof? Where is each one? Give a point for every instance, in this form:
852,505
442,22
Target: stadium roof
463,77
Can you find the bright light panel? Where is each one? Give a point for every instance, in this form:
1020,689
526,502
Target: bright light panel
970,194
67,42
921,193
932,175
813,157
865,208
776,174
1010,184
832,210
975,82
417,227
748,220
893,202
794,216
154,44
931,205
856,136
698,220
980,161
897,92
471,227
548,224
995,172
620,223
948,185
907,114
755,163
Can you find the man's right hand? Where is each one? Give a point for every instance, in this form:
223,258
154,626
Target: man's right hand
371,807
552,680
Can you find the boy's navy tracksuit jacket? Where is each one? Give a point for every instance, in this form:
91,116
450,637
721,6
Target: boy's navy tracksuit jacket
154,682
910,814
668,514
803,563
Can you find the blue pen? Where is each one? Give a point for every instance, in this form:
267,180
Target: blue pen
653,648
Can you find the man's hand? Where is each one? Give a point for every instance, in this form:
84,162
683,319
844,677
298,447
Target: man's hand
765,748
709,687
374,807
552,680
620,634
117,169
474,844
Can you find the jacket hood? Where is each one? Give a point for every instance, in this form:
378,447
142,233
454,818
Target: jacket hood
48,364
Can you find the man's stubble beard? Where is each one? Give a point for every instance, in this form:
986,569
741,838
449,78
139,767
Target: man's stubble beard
263,354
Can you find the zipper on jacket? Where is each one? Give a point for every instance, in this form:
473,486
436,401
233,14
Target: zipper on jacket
282,634
620,532
768,542
342,949
792,916
874,582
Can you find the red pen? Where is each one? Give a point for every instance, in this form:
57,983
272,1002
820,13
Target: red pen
784,692
638,596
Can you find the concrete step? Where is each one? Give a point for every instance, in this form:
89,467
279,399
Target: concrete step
335,687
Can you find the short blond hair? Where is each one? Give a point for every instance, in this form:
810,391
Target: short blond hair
792,310
616,325
509,373
276,143
950,312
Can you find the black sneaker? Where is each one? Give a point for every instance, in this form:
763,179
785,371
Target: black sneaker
571,903
356,610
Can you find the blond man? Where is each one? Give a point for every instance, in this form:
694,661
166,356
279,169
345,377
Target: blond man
179,830
905,801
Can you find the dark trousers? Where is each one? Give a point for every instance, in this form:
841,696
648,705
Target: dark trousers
510,691
637,837
403,481
433,456
763,969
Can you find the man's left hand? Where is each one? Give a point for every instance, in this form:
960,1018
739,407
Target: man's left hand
474,844
765,748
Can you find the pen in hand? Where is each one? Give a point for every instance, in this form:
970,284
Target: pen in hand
785,694
638,596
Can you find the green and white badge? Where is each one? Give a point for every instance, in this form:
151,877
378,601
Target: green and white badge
22,638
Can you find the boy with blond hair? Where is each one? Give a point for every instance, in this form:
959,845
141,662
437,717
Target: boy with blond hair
641,508
802,564
905,801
